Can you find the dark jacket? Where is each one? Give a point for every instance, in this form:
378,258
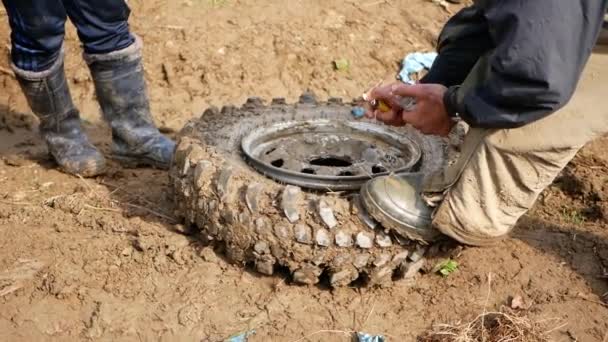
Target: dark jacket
511,62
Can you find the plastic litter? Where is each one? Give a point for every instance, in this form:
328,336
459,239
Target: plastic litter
358,112
415,62
364,337
240,337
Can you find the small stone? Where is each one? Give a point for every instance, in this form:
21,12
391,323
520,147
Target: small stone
46,185
418,253
361,260
303,234
327,215
262,226
261,247
381,276
344,239
384,240
18,196
319,259
517,303
344,277
307,275
265,266
289,203
382,260
278,251
400,258
141,244
282,231
208,255
177,241
212,206
127,251
202,168
323,238
189,315
365,240
182,229
411,269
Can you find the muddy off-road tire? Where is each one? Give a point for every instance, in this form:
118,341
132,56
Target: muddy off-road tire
266,224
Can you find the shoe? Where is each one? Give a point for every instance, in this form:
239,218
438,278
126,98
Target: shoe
121,92
49,98
395,202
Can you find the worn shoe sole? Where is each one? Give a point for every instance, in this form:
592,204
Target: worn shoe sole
88,169
390,222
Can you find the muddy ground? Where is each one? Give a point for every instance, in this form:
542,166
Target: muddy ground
103,259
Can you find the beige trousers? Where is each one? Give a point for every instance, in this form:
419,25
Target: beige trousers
500,173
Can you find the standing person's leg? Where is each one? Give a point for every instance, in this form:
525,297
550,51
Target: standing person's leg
114,57
37,30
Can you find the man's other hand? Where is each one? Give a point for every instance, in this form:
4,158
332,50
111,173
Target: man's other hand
429,115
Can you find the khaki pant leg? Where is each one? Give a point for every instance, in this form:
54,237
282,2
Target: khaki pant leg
501,172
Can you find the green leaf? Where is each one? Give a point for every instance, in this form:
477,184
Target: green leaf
342,64
446,267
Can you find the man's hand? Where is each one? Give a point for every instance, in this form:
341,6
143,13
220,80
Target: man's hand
429,115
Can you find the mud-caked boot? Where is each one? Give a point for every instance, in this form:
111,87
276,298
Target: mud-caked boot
121,92
396,202
49,98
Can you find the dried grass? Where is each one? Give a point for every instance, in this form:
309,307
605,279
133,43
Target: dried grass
504,326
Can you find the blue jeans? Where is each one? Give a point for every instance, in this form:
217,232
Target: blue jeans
38,28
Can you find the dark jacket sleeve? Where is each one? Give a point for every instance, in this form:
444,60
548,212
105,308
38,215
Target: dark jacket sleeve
463,40
540,50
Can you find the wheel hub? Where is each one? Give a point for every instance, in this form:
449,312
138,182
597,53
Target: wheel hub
329,155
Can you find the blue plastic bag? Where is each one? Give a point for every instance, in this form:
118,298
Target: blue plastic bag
241,337
363,337
415,62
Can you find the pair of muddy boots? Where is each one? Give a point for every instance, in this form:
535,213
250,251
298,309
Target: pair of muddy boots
121,92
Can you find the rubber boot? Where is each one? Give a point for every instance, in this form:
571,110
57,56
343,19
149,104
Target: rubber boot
121,92
49,98
396,203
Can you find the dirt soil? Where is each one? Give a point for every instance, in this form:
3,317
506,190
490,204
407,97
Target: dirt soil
103,259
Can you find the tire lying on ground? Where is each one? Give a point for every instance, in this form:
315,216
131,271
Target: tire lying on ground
266,224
